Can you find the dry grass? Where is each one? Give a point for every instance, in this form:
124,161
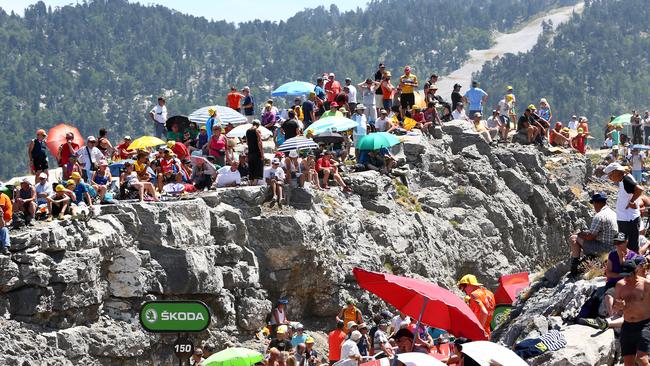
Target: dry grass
594,267
405,198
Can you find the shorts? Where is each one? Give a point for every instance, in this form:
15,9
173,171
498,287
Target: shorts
635,337
595,247
40,164
407,100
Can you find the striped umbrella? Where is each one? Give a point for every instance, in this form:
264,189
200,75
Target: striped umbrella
225,115
298,143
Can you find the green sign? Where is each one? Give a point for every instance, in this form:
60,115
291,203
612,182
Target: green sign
174,316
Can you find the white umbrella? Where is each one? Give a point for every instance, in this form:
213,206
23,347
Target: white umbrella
484,353
226,115
418,359
240,131
298,143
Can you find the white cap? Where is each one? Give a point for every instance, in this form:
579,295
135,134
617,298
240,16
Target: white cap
91,138
331,74
351,324
612,167
275,161
293,154
355,336
42,175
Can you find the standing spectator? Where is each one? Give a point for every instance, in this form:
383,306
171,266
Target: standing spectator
248,104
545,110
646,127
407,84
475,97
197,357
319,90
311,356
456,97
349,349
368,97
158,115
290,127
364,344
380,339
332,87
510,103
309,110
628,215
104,144
212,121
636,160
352,94
25,201
255,153
433,79
637,134
349,313
89,156
362,124
6,214
233,99
67,149
335,341
386,89
481,300
37,153
217,146
380,75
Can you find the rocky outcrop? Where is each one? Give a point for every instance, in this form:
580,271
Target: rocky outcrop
72,289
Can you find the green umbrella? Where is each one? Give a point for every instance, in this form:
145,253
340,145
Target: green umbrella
623,119
376,141
235,356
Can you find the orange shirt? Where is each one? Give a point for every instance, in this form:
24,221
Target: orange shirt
485,297
585,127
335,341
234,100
7,207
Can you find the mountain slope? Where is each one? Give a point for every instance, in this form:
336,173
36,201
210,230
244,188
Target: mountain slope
102,63
596,65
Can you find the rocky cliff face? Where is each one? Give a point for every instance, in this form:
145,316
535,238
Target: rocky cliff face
71,290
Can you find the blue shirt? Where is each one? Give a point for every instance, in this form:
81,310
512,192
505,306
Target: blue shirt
209,123
320,92
79,191
249,100
475,96
297,339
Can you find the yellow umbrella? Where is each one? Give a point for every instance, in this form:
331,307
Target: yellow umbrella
145,142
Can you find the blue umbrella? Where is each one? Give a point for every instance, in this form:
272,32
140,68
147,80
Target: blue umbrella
331,124
640,147
293,88
225,115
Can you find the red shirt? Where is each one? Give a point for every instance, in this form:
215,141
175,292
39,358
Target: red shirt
180,150
167,165
335,340
124,152
332,88
66,151
323,163
234,100
579,143
419,116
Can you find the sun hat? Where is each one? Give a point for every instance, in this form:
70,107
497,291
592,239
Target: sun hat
355,336
360,106
351,324
309,340
293,154
532,107
612,167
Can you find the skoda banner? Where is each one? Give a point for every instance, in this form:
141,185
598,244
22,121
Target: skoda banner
174,316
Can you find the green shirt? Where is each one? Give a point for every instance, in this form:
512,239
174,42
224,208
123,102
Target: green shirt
331,114
175,136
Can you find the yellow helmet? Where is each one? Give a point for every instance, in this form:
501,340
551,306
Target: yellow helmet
309,340
211,111
469,279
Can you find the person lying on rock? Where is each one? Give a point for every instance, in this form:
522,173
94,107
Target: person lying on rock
632,295
599,238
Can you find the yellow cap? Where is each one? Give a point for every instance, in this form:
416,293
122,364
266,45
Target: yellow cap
581,130
171,143
70,181
469,279
211,111
75,175
309,340
281,329
509,87
532,107
59,188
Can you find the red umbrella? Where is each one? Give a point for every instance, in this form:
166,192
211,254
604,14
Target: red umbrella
56,137
510,286
437,307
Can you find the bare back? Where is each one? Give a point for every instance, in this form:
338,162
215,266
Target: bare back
634,292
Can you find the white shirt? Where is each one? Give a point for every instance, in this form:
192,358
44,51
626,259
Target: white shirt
368,95
504,108
381,124
622,200
84,159
637,161
362,124
573,124
226,177
348,349
459,115
159,113
352,94
43,188
274,173
493,122
396,322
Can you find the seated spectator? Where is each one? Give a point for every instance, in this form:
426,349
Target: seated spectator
459,112
228,176
431,114
203,174
526,126
81,191
498,125
292,166
243,164
280,342
299,336
140,166
71,167
229,127
122,151
275,178
101,179
383,123
175,134
600,236
558,137
201,140
370,160
25,201
59,203
170,169
193,129
479,126
326,167
129,180
179,149
308,167
6,215
43,191
268,116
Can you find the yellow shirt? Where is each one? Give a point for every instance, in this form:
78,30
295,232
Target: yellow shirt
479,127
409,123
140,168
407,88
329,113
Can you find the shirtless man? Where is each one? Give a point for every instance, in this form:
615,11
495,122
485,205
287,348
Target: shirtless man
632,295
